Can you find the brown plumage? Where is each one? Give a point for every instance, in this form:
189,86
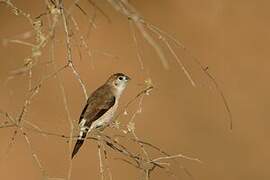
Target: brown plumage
100,107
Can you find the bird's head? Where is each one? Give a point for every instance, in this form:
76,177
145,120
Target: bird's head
118,82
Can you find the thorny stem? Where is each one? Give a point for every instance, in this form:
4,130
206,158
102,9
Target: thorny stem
176,156
101,166
164,36
34,155
144,91
139,56
115,145
66,107
69,54
128,10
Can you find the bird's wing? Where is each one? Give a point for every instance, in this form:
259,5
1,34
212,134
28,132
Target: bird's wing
83,112
97,105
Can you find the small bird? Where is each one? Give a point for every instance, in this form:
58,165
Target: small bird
100,107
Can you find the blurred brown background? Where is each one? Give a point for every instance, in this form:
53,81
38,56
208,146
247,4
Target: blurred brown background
231,37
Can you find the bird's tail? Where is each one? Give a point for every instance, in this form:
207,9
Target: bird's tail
79,143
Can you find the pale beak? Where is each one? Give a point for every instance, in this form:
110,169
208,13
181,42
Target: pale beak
128,78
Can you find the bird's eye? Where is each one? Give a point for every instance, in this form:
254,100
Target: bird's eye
120,78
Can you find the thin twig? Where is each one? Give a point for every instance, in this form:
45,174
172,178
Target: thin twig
204,69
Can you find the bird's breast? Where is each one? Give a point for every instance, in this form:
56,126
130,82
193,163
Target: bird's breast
108,116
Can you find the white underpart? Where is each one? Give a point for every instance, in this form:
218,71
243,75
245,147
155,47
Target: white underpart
82,128
105,119
82,123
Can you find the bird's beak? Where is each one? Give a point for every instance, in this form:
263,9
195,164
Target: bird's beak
128,78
